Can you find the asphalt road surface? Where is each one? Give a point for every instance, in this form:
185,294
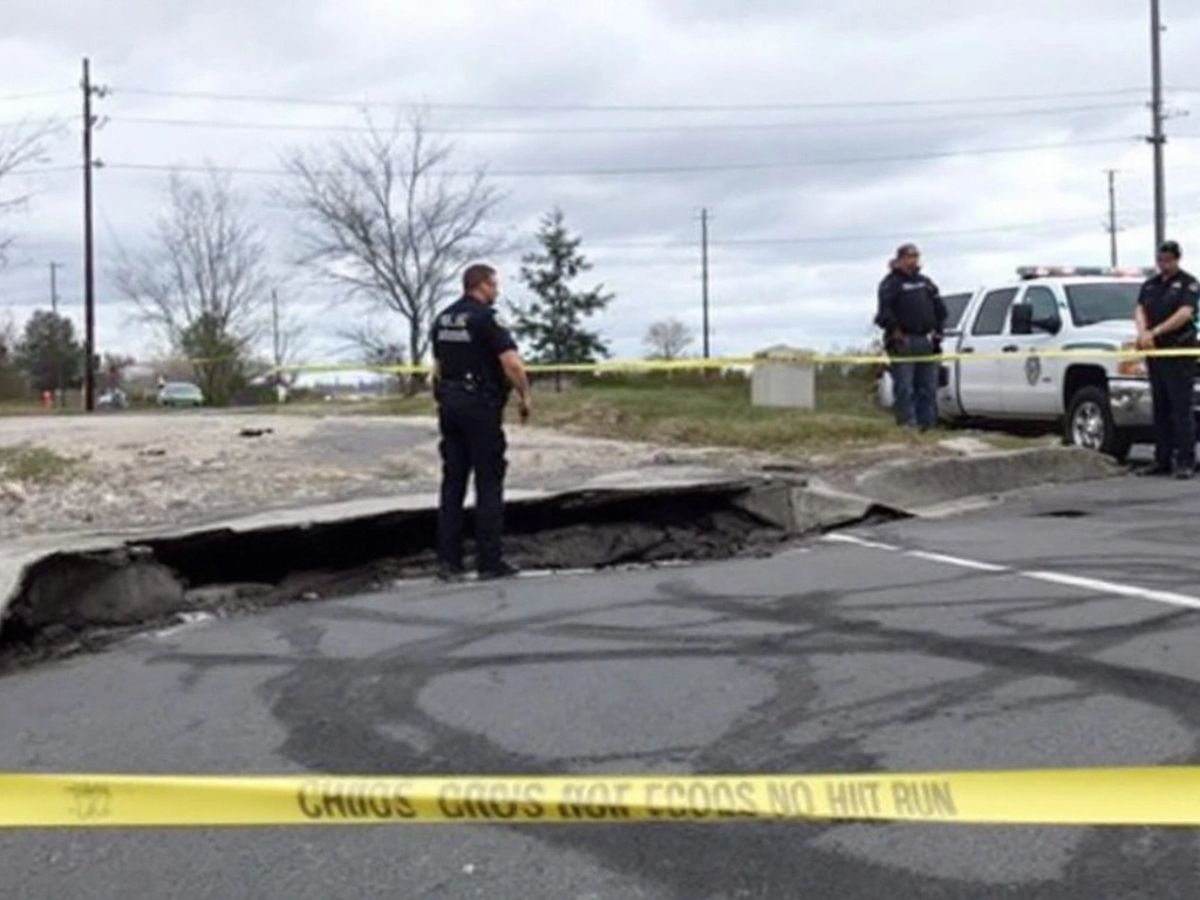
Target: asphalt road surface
1059,630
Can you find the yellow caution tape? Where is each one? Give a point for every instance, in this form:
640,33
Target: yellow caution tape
1102,796
727,362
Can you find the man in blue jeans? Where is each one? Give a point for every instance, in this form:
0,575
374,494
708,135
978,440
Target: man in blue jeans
913,317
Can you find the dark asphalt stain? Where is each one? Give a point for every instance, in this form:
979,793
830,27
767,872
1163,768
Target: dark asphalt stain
332,709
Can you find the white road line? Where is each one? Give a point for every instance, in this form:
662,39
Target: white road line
1096,585
858,542
957,561
1112,587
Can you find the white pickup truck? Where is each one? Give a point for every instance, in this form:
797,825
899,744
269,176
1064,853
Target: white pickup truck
1103,403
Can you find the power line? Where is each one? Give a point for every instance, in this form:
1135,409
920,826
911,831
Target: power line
619,107
844,238
35,95
41,170
42,121
663,169
225,124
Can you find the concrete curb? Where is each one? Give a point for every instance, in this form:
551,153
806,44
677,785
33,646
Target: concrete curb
922,486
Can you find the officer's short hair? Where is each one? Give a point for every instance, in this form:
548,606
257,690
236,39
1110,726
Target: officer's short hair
476,275
907,250
1171,248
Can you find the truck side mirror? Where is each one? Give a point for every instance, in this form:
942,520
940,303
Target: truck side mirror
1022,319
1050,325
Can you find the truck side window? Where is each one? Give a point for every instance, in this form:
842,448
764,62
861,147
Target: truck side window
1044,305
994,312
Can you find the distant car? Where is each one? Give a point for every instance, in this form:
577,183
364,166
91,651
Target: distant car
113,399
180,395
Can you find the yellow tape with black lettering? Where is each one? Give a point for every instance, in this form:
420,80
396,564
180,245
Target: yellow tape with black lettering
624,366
1102,796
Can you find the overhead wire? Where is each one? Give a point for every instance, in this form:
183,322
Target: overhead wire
34,95
913,121
630,171
617,107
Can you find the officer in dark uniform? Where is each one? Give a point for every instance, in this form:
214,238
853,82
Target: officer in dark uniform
913,317
477,365
1166,320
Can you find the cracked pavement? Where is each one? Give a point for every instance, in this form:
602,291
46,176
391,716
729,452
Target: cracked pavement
828,657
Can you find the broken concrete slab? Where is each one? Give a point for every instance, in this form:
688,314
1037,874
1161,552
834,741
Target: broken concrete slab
108,588
918,486
811,506
81,579
652,514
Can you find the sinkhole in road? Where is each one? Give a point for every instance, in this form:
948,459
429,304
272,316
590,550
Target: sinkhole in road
223,570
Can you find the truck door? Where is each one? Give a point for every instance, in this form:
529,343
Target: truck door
980,388
1031,382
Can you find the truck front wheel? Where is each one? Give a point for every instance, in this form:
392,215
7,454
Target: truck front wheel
1090,424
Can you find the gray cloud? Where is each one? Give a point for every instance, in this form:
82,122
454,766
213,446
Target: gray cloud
844,218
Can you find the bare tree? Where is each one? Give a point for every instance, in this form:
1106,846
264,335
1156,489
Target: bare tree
668,339
288,341
19,146
12,382
8,335
381,217
373,344
203,281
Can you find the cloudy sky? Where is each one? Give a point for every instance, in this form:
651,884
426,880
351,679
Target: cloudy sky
819,135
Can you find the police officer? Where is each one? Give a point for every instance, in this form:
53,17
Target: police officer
913,317
476,367
1166,320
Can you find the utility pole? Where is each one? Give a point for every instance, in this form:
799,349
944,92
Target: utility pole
58,379
89,272
704,273
1112,228
278,351
277,345
1157,139
54,267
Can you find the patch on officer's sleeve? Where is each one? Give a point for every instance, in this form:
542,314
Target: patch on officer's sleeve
1194,287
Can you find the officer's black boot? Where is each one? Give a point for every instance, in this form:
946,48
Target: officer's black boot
450,574
502,569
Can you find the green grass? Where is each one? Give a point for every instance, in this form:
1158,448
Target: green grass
35,464
690,409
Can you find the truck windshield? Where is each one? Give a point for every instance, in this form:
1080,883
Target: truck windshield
956,305
1093,303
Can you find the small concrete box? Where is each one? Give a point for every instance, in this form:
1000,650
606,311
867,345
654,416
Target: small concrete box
784,377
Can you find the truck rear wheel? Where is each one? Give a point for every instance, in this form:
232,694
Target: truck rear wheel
1090,424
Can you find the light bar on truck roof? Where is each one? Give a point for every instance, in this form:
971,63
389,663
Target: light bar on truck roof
1028,273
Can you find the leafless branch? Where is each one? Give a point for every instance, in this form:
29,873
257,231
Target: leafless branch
379,217
19,145
206,260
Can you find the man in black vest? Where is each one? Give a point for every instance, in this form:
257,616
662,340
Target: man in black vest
1166,320
913,317
477,366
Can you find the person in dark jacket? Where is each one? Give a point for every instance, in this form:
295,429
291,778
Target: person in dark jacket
913,317
1166,320
477,366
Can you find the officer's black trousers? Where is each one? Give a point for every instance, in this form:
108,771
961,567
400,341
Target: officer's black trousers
472,442
1171,380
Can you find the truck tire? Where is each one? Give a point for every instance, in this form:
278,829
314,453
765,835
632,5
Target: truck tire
1090,424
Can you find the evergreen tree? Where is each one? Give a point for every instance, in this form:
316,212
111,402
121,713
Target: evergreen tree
49,353
552,322
217,357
